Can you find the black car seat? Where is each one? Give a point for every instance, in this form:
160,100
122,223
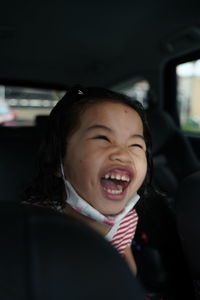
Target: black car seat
158,252
46,256
173,156
157,246
18,160
188,222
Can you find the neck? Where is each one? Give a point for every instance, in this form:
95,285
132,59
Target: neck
103,229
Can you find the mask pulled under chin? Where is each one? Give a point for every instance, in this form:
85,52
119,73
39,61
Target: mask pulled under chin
83,207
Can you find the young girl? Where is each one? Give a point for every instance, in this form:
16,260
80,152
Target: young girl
96,163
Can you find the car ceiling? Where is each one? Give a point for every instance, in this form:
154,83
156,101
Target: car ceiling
93,42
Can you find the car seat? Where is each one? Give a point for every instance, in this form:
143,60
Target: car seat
46,256
157,247
188,222
158,252
173,156
18,160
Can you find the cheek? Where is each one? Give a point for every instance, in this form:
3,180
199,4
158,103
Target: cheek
87,166
145,165
77,167
142,167
82,164
71,165
88,171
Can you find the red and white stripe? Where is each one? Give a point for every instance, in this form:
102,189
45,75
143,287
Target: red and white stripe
125,232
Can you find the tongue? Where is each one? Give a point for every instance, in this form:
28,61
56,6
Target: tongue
111,183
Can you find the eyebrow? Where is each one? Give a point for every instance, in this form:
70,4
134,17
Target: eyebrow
99,126
139,136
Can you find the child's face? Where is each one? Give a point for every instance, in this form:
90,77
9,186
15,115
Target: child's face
109,143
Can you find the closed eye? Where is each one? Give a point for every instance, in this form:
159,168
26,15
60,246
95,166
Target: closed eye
102,137
137,145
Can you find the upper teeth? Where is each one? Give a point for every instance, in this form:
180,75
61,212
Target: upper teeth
118,177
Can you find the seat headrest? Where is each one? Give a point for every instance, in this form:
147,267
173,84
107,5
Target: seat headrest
162,128
170,141
46,255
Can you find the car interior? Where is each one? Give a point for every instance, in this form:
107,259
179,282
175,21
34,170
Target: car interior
147,50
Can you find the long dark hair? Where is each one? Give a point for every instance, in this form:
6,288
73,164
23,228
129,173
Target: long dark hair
63,120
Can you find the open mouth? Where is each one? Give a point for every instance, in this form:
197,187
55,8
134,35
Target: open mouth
116,181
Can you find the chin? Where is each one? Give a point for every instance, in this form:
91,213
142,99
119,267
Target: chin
111,212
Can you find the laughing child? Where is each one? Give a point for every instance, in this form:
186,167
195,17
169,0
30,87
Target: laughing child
96,163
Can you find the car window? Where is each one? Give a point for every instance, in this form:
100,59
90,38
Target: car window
19,106
136,89
188,92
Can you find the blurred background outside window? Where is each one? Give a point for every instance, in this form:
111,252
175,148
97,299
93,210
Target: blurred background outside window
136,89
188,95
19,106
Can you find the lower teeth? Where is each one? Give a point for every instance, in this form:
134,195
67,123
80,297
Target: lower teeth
115,192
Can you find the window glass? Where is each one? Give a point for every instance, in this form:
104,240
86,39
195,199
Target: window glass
137,89
188,95
19,106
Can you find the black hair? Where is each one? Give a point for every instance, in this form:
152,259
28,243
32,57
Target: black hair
63,121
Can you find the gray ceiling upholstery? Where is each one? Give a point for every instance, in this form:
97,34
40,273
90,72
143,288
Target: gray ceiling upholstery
103,42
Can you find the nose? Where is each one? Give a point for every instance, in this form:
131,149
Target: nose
120,154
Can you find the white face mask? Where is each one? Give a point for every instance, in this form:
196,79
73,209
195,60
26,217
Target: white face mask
83,207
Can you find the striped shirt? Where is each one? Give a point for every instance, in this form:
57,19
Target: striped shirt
122,236
125,232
